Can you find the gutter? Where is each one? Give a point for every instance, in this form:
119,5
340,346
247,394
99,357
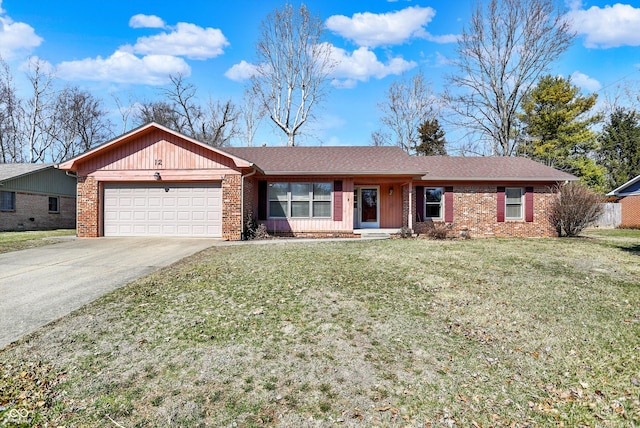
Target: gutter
242,237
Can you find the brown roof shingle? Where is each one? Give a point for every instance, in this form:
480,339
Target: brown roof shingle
329,160
453,168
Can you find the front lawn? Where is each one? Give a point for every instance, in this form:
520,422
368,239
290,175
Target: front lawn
485,332
14,241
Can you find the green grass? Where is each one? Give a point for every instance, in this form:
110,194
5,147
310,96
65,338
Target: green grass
491,332
14,241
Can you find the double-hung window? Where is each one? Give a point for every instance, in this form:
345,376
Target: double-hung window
300,200
433,202
513,201
7,201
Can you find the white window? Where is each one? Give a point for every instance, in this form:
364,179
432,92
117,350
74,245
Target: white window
300,200
433,202
7,201
54,204
513,201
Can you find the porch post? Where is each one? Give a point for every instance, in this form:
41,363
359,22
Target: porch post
410,218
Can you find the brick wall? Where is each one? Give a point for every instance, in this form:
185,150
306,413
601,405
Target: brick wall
630,211
231,200
32,213
88,208
475,214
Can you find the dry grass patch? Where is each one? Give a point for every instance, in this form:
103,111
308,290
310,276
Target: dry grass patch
15,241
393,333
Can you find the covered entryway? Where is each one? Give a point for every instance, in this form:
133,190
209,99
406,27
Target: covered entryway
163,209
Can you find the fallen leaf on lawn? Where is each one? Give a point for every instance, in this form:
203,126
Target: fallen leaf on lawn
635,381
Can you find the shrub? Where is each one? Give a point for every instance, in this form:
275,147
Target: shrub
437,231
574,208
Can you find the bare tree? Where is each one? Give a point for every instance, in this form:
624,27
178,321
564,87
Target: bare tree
38,110
11,143
252,114
409,103
216,124
78,123
293,70
501,55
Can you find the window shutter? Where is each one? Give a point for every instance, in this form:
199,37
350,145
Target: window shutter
501,205
337,200
262,200
448,204
419,203
528,204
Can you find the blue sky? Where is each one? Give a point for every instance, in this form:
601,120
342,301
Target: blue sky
128,48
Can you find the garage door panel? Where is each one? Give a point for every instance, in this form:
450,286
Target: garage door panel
148,209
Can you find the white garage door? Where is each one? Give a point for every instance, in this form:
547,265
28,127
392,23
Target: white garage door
163,209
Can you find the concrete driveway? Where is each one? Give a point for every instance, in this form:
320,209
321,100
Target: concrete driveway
42,284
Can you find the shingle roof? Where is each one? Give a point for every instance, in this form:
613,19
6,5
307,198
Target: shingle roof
361,160
328,160
14,170
453,168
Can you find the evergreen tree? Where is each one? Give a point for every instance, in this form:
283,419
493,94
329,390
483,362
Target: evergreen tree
557,129
432,141
619,151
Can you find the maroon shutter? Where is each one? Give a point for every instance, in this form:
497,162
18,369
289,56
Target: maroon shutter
528,204
262,200
501,205
337,200
419,203
448,204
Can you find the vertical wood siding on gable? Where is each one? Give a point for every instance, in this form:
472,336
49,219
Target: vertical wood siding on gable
148,150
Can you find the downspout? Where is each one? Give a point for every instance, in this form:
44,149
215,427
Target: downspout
242,237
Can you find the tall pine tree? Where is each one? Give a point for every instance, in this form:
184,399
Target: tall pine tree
557,129
619,151
432,142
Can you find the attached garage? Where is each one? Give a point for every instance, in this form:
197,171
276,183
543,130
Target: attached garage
163,209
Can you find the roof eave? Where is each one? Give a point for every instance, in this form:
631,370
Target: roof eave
619,191
528,179
354,173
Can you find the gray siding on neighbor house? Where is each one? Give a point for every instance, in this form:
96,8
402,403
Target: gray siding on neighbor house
48,181
633,189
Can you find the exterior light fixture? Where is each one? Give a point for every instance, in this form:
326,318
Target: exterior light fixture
390,191
156,175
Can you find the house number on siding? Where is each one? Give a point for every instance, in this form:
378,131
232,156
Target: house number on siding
157,162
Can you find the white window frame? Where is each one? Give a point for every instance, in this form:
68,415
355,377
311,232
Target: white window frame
440,204
507,204
12,197
311,199
57,210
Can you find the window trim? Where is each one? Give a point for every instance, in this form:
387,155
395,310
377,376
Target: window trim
13,200
439,204
57,199
507,204
311,199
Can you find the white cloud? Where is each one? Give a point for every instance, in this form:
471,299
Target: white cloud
393,28
124,67
241,71
146,21
16,37
607,27
186,39
585,82
362,64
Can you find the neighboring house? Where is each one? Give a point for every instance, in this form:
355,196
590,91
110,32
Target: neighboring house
154,181
36,197
628,196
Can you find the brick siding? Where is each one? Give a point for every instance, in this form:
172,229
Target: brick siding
475,214
231,200
88,208
32,213
630,211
